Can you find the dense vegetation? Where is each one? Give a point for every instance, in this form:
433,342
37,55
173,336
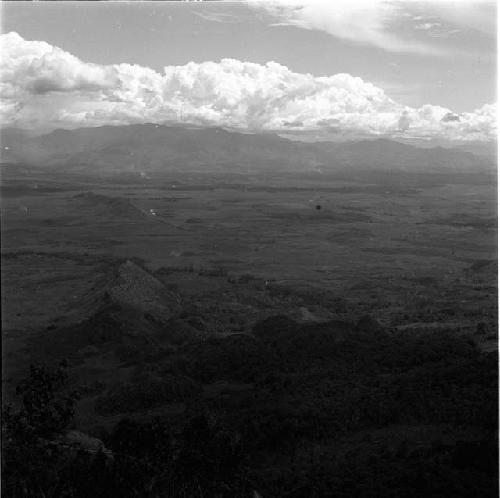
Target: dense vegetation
319,410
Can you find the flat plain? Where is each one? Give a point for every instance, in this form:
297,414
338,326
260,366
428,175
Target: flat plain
385,246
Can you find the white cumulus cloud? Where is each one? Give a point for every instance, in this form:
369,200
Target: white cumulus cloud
45,87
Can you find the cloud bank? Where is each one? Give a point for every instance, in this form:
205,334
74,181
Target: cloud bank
45,87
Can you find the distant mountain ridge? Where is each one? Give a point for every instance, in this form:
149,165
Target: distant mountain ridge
150,148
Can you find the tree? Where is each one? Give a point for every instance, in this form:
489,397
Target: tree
30,459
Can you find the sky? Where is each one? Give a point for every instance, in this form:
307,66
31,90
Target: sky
421,69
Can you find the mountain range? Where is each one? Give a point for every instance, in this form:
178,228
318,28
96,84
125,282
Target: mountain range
150,148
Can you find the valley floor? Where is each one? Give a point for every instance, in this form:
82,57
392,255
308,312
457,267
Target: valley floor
269,336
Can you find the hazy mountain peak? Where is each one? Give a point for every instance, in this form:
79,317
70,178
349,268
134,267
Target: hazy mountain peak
154,147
